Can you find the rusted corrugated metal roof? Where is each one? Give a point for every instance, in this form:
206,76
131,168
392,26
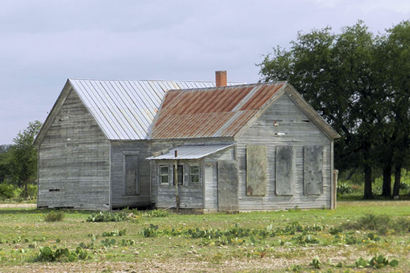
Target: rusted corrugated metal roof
192,151
211,112
125,110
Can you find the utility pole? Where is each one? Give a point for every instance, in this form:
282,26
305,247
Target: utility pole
177,201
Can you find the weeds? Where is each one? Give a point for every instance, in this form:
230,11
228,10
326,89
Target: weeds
315,263
114,233
156,213
107,216
376,262
61,255
54,216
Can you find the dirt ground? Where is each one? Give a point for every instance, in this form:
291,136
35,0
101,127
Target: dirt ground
18,205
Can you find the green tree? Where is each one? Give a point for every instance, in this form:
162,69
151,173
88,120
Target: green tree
344,78
396,50
23,156
4,163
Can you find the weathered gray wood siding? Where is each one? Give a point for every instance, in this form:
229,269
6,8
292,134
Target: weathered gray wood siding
202,195
212,185
136,153
74,160
292,129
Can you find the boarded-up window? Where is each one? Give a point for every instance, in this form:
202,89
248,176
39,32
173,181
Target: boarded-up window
256,170
285,170
131,175
227,185
312,169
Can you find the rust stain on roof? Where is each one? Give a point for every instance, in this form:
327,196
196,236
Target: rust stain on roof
211,112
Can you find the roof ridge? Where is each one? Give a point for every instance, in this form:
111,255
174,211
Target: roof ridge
214,88
128,80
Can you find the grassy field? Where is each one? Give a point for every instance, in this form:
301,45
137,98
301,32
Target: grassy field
280,241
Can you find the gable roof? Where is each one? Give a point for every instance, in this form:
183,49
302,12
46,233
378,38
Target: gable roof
223,111
124,110
211,112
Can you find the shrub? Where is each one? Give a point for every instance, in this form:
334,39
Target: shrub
343,188
315,263
114,233
157,213
31,191
61,255
376,262
6,191
54,216
107,216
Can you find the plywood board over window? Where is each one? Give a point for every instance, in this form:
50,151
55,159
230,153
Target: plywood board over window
227,185
256,169
312,169
285,170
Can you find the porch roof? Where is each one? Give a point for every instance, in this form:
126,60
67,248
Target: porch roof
192,151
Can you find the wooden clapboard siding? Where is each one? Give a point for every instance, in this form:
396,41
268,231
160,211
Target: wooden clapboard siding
210,176
196,196
74,160
299,132
120,150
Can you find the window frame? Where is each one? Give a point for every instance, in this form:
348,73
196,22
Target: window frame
197,174
160,174
182,174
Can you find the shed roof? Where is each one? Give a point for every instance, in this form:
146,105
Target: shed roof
192,151
211,112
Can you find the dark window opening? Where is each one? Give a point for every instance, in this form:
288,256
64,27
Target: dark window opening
54,190
180,173
194,174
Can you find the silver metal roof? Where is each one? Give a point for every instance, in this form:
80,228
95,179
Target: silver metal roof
192,151
125,110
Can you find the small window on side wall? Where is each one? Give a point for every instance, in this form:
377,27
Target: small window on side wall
164,175
194,174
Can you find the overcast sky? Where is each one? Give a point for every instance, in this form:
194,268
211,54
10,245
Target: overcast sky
44,42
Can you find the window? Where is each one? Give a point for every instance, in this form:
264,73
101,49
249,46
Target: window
164,174
194,174
180,173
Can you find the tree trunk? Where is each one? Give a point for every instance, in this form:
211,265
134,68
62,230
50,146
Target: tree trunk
397,177
368,194
386,191
25,193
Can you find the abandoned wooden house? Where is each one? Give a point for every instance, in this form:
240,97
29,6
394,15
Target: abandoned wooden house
110,144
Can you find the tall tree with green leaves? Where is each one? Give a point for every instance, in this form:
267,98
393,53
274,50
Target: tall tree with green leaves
342,77
395,53
23,156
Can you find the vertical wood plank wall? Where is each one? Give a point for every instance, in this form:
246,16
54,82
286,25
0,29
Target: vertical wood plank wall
74,160
293,129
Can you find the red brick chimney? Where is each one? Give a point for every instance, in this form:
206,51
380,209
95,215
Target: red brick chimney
220,78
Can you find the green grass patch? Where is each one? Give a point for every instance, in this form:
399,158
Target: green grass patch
280,241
